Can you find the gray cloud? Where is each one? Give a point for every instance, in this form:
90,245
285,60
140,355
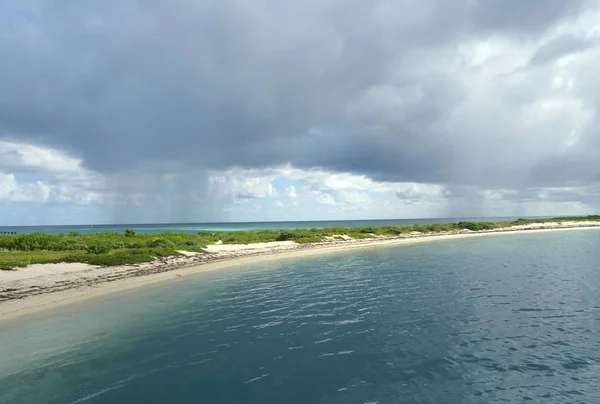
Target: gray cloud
561,46
531,17
367,87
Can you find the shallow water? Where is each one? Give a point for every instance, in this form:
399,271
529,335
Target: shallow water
485,320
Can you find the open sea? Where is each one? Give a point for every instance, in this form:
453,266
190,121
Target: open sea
499,319
231,226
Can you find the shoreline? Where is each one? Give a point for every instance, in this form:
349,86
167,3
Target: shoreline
22,293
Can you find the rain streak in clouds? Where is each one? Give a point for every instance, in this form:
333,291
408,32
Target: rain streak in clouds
272,110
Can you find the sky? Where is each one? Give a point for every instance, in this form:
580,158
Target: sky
125,111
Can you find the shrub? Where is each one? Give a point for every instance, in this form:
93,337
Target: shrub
368,230
98,248
284,236
133,243
159,242
129,233
391,230
420,228
67,244
360,236
469,226
520,221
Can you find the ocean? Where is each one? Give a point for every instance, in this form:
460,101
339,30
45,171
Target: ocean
498,319
231,226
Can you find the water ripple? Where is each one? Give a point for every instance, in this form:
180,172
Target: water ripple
488,320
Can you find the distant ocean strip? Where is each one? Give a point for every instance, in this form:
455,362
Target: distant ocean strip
242,226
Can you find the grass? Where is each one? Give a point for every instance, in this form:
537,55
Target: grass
109,249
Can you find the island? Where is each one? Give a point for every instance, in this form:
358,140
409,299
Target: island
38,270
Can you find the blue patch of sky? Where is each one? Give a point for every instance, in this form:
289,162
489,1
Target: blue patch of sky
36,213
12,16
22,177
281,183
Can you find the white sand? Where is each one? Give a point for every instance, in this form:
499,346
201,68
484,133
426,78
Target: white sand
40,287
42,271
228,248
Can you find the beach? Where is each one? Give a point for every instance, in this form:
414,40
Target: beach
48,286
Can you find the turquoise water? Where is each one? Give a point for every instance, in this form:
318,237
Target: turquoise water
484,320
225,226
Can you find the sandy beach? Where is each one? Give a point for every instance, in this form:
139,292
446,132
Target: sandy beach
48,286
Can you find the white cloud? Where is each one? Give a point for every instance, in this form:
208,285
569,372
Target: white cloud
324,198
50,192
18,156
326,195
252,195
242,184
322,180
63,179
325,186
414,192
291,193
11,190
291,196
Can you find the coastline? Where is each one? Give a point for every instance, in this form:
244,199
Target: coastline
50,286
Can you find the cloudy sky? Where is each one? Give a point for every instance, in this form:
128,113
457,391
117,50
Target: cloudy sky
245,110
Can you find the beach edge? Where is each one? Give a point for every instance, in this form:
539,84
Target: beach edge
38,303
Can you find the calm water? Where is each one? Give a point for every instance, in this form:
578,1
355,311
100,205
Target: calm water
221,227
484,320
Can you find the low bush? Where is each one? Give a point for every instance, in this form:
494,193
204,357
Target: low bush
160,242
98,248
285,236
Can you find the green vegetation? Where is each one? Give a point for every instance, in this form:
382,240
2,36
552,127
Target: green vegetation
19,250
98,249
12,259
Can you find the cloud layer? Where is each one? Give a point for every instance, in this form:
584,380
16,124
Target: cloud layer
138,105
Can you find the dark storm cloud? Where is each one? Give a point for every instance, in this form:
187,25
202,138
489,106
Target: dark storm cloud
212,84
530,17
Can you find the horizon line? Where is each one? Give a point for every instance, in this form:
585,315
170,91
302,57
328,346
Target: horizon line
281,221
